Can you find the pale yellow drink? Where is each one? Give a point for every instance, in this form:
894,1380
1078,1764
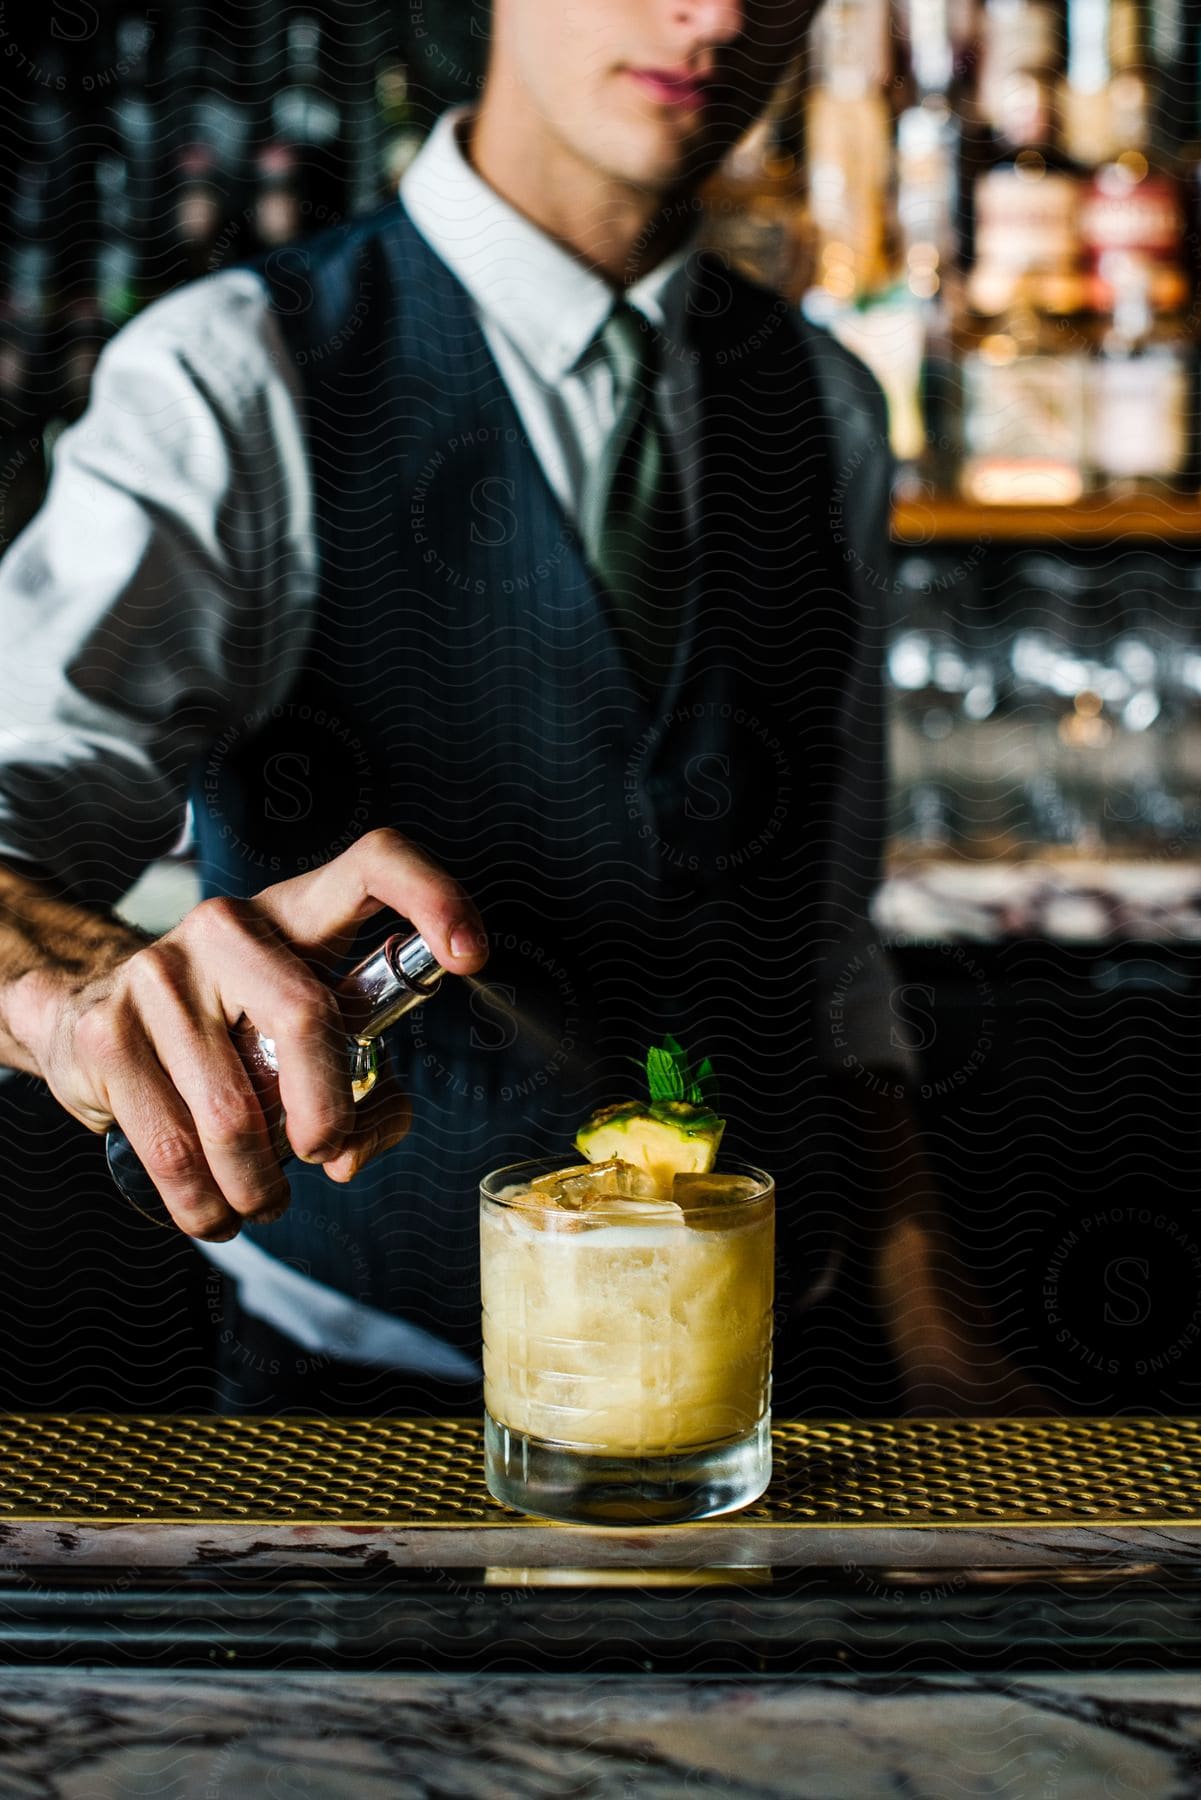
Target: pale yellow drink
628,1328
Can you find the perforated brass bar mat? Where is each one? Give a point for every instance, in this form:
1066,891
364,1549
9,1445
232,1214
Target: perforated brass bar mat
429,1472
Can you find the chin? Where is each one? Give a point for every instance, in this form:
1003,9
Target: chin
649,158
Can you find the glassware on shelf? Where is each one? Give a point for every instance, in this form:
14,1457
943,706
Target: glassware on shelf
1063,716
944,667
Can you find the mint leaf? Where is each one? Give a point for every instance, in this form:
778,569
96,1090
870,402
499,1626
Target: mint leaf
664,1077
669,1077
703,1088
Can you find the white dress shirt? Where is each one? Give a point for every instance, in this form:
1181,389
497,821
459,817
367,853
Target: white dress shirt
540,309
168,584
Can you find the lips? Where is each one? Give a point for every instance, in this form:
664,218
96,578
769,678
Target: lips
674,87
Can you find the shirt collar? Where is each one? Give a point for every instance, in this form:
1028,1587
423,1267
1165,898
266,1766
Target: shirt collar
545,301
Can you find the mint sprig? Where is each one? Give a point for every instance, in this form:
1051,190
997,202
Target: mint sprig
669,1076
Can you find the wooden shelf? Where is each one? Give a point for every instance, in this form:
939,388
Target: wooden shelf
1170,519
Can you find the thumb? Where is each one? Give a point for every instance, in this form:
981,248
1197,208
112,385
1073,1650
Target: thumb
382,870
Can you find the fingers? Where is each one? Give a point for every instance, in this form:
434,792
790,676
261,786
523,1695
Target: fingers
381,870
199,1056
248,972
381,1120
155,1119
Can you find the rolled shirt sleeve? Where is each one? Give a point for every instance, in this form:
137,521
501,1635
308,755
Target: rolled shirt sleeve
858,1028
163,589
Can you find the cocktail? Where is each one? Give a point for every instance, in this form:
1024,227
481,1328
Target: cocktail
627,1307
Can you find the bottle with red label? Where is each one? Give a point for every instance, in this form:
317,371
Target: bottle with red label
1027,191
1133,213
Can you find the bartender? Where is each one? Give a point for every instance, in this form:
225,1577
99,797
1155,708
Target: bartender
472,563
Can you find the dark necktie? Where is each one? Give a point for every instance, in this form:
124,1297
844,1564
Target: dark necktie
632,512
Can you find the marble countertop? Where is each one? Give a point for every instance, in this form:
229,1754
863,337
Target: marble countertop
95,1736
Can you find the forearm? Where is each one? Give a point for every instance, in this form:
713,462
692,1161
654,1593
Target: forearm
940,1327
47,939
915,1269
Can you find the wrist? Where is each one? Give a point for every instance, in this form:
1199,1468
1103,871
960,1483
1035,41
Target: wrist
35,1005
30,1010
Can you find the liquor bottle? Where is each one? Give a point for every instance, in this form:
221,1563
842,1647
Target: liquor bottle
1133,208
132,113
1140,391
301,176
304,111
1028,237
928,152
1085,99
121,263
1133,86
1024,393
221,66
929,143
849,147
756,217
1020,64
282,201
1133,212
201,191
30,261
120,279
1027,191
221,79
1112,98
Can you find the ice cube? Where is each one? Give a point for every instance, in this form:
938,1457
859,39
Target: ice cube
713,1188
589,1184
709,1193
540,1210
574,1187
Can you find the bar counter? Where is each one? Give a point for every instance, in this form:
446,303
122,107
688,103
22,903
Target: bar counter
214,1605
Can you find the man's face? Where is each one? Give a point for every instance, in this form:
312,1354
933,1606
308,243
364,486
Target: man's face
651,92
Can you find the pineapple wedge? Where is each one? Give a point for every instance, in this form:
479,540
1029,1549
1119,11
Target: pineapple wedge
665,1137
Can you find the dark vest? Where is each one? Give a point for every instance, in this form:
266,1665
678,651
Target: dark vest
642,865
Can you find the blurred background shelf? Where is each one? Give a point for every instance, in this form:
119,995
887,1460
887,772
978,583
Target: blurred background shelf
946,519
1078,900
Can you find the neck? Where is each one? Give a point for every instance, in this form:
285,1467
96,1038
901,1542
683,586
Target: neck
616,229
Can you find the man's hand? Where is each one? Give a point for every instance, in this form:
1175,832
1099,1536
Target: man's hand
948,1346
145,1040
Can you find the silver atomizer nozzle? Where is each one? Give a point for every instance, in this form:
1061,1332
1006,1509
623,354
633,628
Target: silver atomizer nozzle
401,974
